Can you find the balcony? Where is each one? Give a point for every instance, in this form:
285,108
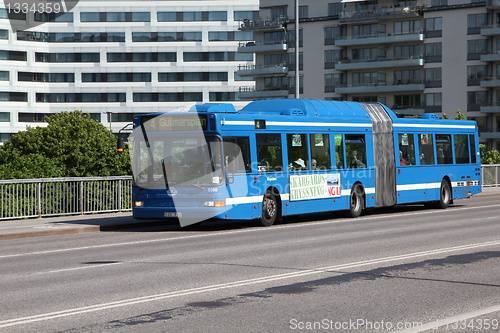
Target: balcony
408,110
263,24
494,134
386,38
490,82
493,4
262,70
246,93
491,30
349,64
380,87
261,47
494,56
348,16
490,109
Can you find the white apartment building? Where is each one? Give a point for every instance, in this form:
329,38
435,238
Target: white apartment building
114,59
417,56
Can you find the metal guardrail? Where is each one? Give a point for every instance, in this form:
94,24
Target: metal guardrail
490,175
26,198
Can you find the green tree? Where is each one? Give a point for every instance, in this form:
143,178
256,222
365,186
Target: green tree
489,157
460,115
445,116
72,145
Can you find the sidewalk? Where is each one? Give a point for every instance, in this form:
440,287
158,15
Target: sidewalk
63,225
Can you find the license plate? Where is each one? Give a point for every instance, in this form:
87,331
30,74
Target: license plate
173,214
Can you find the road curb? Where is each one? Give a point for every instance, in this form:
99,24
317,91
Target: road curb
77,230
50,232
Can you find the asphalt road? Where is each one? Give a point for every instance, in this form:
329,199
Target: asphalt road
406,268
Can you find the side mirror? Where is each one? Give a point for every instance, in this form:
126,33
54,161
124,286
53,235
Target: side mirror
230,178
119,145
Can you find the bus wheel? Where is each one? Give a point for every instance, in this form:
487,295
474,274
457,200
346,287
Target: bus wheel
269,209
356,201
444,194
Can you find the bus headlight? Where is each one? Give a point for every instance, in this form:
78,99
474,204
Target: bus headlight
137,203
215,204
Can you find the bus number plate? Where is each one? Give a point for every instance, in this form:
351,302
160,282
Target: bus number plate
173,214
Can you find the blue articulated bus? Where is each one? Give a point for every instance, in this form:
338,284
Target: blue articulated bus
282,157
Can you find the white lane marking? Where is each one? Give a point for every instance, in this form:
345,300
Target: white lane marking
77,268
248,230
452,322
234,284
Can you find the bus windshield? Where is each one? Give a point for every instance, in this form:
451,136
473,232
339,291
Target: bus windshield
181,161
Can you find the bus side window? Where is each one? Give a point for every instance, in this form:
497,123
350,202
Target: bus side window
406,149
339,151
298,156
355,150
237,154
461,148
320,151
426,149
472,143
444,150
269,156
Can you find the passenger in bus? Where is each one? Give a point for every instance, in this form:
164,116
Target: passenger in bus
299,164
402,160
356,163
314,164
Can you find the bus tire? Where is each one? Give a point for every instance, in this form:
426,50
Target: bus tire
356,201
444,194
269,209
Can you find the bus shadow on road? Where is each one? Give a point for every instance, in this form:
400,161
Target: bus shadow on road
215,225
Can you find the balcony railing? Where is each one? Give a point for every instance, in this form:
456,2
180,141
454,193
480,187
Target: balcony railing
263,23
382,12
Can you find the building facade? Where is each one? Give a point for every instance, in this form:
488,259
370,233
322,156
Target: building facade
423,56
114,59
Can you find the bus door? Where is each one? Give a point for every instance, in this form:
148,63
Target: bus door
237,169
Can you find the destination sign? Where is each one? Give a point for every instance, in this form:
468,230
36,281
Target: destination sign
175,123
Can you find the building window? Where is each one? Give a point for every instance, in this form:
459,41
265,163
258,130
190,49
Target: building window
90,17
475,22
475,48
142,57
46,77
279,13
222,96
433,27
433,52
334,9
4,75
217,16
367,30
433,77
368,54
54,17
13,55
407,101
475,74
303,12
167,16
407,27
439,3
332,81
32,117
433,102
6,96
407,76
245,15
4,117
476,99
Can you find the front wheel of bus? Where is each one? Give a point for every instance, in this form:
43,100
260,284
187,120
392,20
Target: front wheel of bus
356,201
445,194
269,209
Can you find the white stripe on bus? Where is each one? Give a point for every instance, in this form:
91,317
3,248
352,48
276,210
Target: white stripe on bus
301,124
369,190
435,126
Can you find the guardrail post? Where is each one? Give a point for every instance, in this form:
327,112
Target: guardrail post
81,197
120,195
39,199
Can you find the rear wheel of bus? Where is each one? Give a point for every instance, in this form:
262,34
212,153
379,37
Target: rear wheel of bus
444,194
356,201
270,209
